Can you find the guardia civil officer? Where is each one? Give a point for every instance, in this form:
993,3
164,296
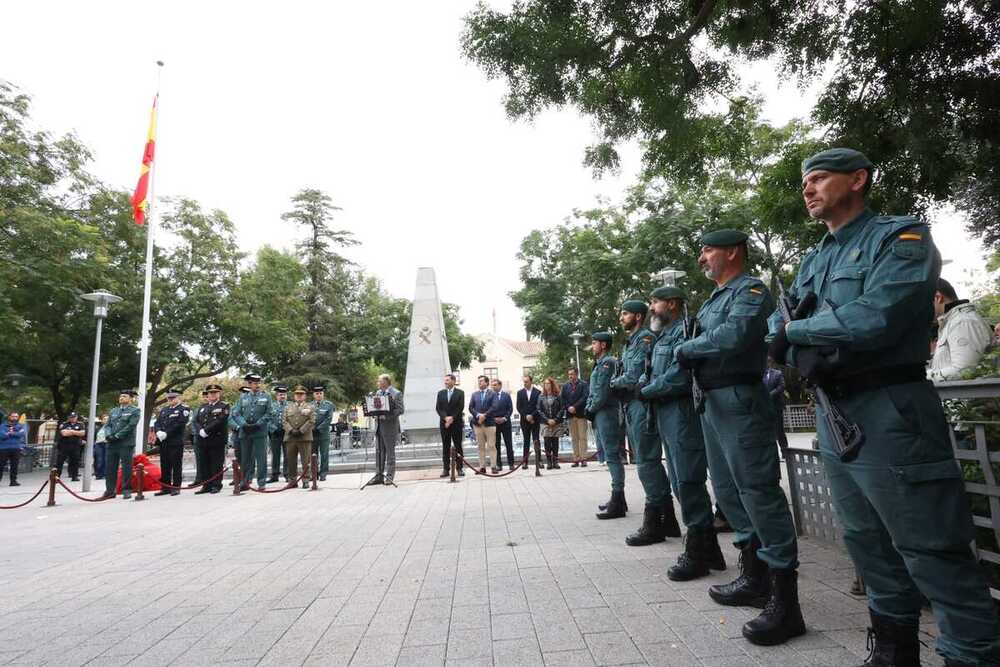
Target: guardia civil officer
169,429
901,501
321,429
277,435
212,423
120,436
668,388
251,417
603,410
196,444
658,519
729,356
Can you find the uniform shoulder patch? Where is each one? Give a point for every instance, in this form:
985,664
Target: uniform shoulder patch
647,339
910,236
756,290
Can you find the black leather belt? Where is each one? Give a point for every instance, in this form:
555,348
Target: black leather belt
844,387
720,381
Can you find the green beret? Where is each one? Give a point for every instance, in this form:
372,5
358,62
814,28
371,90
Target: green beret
724,237
635,306
602,336
843,160
665,292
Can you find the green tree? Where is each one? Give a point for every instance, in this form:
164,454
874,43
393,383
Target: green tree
915,86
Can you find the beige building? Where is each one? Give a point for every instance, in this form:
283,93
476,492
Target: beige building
505,359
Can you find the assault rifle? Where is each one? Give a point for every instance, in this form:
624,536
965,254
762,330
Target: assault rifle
847,436
690,333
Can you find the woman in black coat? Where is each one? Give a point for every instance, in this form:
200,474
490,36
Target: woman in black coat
551,409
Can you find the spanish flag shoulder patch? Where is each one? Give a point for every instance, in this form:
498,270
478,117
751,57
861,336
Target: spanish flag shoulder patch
910,236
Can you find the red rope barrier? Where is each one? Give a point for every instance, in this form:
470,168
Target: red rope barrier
520,465
290,485
194,485
28,501
78,496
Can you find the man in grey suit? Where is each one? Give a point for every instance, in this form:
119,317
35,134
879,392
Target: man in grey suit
388,431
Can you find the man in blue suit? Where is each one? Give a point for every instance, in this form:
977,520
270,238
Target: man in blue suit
574,399
505,408
527,409
482,408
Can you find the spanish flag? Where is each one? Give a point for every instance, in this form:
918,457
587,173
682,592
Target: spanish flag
140,200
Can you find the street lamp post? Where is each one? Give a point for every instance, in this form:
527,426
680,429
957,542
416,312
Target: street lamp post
577,337
669,276
101,300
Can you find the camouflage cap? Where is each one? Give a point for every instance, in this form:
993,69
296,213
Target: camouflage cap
843,160
668,292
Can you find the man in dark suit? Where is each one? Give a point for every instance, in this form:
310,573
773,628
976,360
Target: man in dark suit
451,409
574,399
482,407
527,408
505,408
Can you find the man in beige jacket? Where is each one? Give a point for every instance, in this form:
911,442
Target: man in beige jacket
299,419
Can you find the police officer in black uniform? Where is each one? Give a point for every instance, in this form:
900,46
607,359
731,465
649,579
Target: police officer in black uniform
70,434
212,424
169,429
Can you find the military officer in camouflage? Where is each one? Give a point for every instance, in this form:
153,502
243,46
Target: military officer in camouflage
321,430
251,417
658,520
901,501
668,388
120,434
603,409
276,437
729,356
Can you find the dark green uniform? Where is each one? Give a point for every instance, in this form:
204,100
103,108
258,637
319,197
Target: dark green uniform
679,427
321,434
276,437
648,452
901,502
120,435
730,356
251,416
605,410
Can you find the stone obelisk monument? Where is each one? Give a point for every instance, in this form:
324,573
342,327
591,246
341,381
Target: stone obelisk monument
426,363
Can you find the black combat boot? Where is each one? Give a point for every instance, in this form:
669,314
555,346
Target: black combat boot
782,617
751,588
605,505
615,508
651,530
669,520
892,644
701,554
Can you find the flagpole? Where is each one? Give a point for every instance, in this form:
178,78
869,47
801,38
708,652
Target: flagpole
143,427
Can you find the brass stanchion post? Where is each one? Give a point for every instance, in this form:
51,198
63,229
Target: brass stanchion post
53,476
140,477
237,478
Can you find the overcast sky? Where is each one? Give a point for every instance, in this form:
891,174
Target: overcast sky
370,102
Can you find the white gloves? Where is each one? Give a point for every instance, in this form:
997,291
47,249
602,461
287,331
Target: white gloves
202,433
161,435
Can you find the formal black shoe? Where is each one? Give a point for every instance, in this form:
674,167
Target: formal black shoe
245,486
583,464
99,477
494,470
232,483
482,471
175,492
15,483
203,489
272,479
445,474
892,644
322,478
782,617
576,464
126,495
162,492
555,464
670,526
74,479
615,508
651,530
107,495
215,489
751,588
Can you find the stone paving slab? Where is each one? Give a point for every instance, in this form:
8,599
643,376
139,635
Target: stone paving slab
509,571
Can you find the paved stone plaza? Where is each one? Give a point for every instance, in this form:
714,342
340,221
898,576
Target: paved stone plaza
513,571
